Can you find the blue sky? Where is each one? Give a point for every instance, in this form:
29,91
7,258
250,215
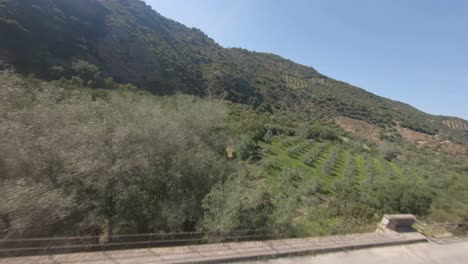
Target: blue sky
414,51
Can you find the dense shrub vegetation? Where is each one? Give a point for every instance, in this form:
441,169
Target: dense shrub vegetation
134,162
77,160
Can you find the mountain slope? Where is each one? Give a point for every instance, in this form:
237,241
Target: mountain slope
132,43
291,152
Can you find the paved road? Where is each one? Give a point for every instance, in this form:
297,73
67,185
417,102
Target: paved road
421,253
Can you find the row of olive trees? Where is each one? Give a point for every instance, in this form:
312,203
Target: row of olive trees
329,166
71,164
314,155
296,150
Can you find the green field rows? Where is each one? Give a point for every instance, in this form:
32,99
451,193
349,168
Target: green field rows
328,161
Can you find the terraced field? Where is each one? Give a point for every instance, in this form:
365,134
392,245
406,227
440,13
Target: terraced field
320,87
456,124
300,83
326,161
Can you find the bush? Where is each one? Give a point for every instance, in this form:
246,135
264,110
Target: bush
239,203
248,149
57,72
86,71
399,197
388,150
318,131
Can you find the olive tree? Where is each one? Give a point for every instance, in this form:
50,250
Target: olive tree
128,162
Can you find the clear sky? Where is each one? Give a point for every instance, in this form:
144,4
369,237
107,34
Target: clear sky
414,51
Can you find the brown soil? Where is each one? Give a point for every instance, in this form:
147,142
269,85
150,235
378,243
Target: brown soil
433,141
360,128
372,132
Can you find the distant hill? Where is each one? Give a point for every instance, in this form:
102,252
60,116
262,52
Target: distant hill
132,43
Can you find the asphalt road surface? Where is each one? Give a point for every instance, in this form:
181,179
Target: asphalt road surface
424,253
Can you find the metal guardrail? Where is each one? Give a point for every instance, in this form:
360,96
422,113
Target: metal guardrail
54,245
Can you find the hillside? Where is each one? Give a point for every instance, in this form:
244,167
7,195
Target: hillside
134,44
116,119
